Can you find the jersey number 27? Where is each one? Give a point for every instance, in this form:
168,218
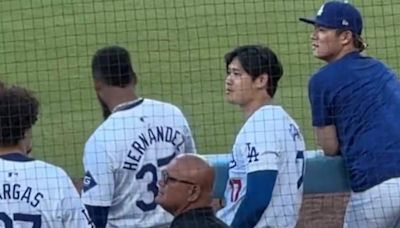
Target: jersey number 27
35,220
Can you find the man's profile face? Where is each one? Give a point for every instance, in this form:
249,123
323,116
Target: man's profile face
326,44
172,195
239,85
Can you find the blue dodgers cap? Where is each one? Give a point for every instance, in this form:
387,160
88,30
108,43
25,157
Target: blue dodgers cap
337,15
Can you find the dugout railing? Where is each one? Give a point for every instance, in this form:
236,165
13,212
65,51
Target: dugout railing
322,174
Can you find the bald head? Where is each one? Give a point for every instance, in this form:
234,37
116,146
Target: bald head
187,183
195,168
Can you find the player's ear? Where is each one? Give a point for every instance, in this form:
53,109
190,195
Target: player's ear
194,193
261,81
26,142
346,37
98,85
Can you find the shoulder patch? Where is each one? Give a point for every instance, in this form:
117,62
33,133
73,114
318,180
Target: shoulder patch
88,182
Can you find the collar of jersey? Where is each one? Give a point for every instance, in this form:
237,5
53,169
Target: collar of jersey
128,105
16,157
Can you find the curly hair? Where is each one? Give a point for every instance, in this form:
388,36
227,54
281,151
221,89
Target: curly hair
18,113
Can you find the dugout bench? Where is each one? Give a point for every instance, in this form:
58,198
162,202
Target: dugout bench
322,174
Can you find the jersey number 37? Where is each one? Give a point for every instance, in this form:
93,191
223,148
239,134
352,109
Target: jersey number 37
152,186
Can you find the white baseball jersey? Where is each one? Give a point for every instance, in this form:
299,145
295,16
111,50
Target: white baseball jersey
376,207
269,140
123,157
37,194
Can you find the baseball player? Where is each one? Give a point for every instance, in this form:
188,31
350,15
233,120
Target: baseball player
32,193
355,103
264,188
123,157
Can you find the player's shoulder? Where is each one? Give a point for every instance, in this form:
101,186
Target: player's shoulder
115,123
161,105
324,74
269,113
266,118
326,79
340,68
46,171
48,174
100,133
57,170
164,111
147,107
374,65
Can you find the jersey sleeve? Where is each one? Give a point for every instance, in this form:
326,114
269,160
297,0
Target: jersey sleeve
98,183
319,96
190,146
189,143
73,211
262,147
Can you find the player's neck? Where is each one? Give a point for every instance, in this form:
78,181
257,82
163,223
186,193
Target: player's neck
254,105
342,53
121,97
11,150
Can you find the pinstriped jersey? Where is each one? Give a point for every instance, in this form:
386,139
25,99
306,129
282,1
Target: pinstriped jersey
123,158
36,194
269,140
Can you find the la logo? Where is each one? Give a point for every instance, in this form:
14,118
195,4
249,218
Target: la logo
321,10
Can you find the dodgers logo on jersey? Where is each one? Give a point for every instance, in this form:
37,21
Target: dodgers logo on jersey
294,132
88,182
252,154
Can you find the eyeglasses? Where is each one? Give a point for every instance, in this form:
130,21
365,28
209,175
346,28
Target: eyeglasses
166,178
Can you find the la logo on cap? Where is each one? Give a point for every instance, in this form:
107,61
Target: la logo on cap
345,22
321,10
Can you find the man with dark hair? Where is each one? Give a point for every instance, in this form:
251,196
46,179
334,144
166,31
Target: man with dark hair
123,157
112,66
33,193
264,188
355,105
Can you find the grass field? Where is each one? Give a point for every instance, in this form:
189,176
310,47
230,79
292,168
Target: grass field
177,48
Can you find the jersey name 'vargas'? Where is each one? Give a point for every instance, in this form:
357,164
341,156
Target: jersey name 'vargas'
17,192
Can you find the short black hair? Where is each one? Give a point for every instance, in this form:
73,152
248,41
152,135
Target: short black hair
19,111
113,66
257,60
